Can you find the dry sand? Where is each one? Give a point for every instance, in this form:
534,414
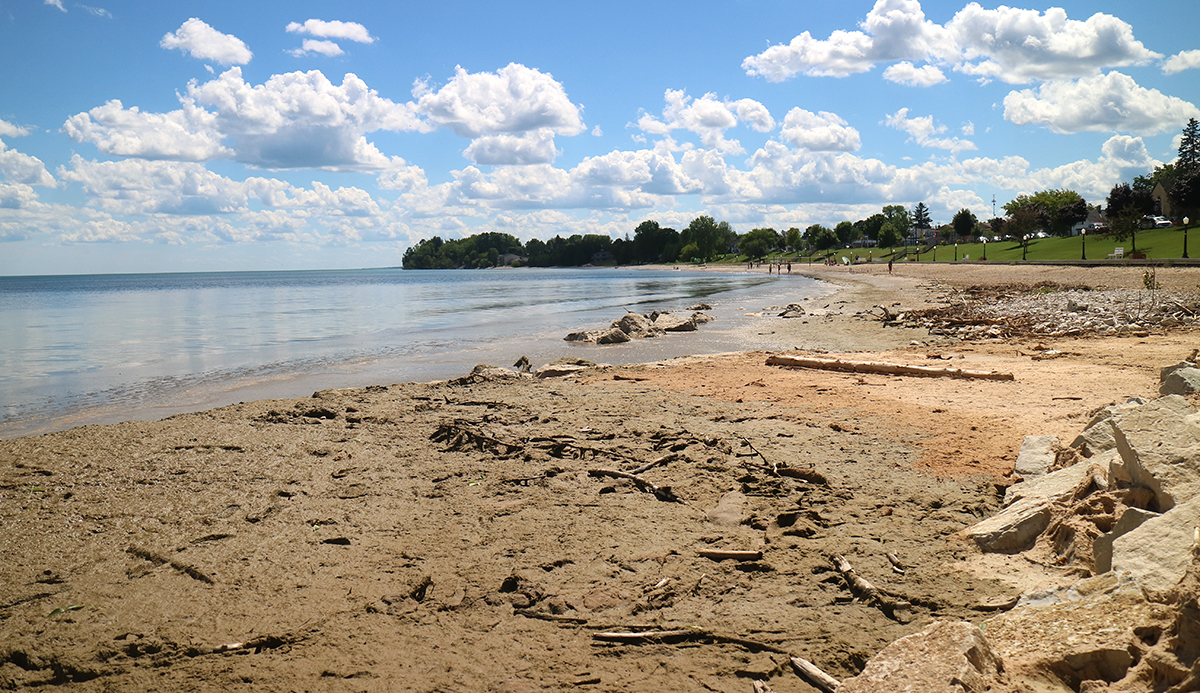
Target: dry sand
449,536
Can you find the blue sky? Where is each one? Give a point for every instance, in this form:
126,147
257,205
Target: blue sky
188,136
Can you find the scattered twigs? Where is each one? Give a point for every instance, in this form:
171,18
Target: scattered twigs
897,609
723,555
812,673
663,493
809,475
760,687
882,368
460,435
895,561
651,465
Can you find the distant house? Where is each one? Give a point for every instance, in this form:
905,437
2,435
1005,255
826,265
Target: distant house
1162,199
602,258
1095,220
506,259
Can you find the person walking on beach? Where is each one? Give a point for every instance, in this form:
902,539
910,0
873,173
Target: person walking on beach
889,266
789,266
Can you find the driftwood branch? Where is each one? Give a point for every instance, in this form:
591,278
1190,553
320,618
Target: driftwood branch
813,674
721,555
651,465
862,589
804,668
882,368
663,493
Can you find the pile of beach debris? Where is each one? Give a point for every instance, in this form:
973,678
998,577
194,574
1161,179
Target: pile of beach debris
650,325
1050,310
1119,508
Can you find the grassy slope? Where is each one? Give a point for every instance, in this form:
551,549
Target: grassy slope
1155,243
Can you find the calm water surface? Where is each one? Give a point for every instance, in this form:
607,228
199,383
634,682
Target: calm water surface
102,348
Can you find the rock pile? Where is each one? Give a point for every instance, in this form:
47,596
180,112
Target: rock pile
1049,310
1119,505
635,326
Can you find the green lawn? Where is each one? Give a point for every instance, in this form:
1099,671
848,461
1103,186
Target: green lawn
1157,244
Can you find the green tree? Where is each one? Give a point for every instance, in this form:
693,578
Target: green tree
889,235
964,222
846,233
869,227
758,243
1189,146
793,238
920,217
1185,193
654,243
1024,221
1063,208
689,252
706,235
822,238
899,219
1164,174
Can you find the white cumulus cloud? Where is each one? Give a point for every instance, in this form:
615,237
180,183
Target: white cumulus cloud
908,74
1018,46
1110,102
819,132
1184,60
922,130
326,48
708,118
201,41
1008,44
188,134
534,147
350,31
513,99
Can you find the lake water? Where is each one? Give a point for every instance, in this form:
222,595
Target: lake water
102,348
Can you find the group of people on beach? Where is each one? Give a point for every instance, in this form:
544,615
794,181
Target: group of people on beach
773,267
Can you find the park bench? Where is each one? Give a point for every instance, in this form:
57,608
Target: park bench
1117,254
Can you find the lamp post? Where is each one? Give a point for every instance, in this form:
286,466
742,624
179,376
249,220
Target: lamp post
956,252
1185,227
1083,242
984,249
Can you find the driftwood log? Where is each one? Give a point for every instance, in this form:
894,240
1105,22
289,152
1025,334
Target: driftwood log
813,674
882,368
724,555
897,609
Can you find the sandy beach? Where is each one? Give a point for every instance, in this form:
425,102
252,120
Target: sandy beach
470,535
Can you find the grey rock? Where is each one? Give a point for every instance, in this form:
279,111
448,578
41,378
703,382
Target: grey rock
1097,436
729,511
1060,484
1160,449
1036,455
1102,546
674,323
636,325
702,318
1168,370
1157,554
1013,529
1182,381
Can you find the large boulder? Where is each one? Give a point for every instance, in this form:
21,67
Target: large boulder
1097,436
1159,446
1157,553
611,335
637,326
946,657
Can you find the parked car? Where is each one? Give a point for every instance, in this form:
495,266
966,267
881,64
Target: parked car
1162,223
